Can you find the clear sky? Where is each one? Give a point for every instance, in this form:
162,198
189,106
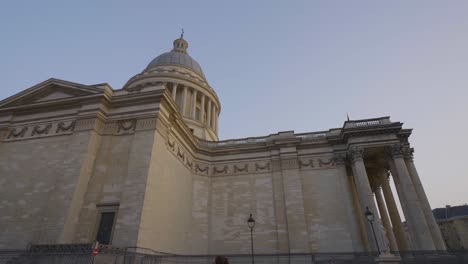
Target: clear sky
276,65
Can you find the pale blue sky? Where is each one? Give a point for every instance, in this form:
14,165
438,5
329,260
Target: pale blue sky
276,65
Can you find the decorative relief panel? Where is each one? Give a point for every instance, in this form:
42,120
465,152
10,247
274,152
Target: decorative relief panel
126,126
241,168
65,126
17,132
328,162
201,168
220,170
119,127
316,163
306,163
247,166
38,130
262,167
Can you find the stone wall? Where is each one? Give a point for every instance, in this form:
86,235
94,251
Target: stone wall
39,179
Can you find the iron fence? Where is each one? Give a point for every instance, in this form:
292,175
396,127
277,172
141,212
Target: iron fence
83,254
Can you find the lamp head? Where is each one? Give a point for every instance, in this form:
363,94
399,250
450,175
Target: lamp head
251,221
369,215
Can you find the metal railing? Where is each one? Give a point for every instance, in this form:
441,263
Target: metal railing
83,254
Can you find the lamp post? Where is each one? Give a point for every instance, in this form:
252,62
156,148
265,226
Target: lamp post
370,217
251,223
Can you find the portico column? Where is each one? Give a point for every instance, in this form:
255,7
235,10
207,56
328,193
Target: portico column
202,109
385,219
174,91
194,104
394,214
184,100
208,117
419,230
426,208
367,199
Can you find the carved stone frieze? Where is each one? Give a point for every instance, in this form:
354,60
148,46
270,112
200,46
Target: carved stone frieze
288,164
3,133
202,168
88,124
17,134
189,163
37,130
325,163
238,168
181,153
306,163
220,170
262,166
171,144
146,124
63,127
126,126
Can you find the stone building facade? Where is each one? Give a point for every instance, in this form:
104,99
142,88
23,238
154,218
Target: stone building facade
453,223
142,166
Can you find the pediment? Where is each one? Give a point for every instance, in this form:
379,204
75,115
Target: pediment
48,91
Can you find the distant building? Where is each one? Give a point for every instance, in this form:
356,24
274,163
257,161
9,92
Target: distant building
453,223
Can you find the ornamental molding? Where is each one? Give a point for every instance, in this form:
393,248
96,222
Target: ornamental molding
394,151
408,154
356,154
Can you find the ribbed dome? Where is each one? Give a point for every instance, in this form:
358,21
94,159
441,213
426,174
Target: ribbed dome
177,58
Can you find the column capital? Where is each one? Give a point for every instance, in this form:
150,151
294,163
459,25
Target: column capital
356,154
394,151
339,159
408,153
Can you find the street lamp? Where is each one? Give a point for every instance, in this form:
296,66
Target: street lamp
251,223
370,217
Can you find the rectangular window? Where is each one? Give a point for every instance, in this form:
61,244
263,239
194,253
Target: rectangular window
106,221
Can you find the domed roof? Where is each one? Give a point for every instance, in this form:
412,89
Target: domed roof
178,56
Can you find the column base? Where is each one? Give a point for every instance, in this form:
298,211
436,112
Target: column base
388,258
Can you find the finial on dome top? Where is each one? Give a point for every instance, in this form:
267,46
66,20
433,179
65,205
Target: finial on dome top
180,45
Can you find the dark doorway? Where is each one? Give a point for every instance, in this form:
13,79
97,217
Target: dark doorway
105,228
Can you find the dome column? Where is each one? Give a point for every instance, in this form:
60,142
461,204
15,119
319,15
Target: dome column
174,91
194,104
184,101
216,120
208,115
213,117
202,109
